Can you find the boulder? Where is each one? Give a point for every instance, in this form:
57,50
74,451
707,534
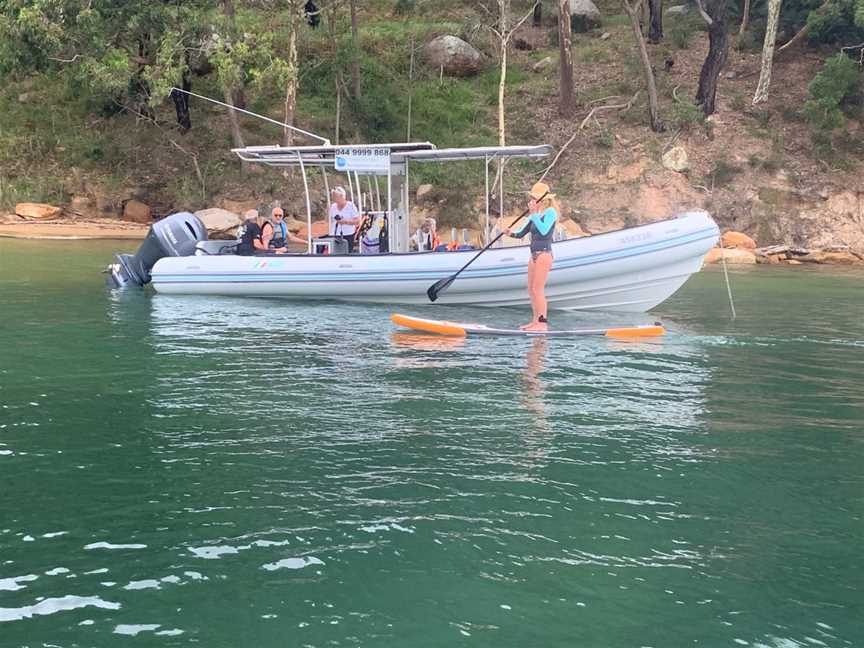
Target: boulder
733,256
833,258
82,205
573,229
675,159
37,211
319,228
135,211
542,64
457,57
423,191
294,225
219,221
584,15
738,240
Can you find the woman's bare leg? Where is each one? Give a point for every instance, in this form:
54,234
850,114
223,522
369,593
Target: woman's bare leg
542,266
531,295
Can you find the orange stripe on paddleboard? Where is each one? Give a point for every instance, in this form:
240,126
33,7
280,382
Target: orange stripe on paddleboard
429,326
636,331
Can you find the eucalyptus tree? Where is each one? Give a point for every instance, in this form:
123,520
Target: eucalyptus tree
118,52
714,13
565,54
768,52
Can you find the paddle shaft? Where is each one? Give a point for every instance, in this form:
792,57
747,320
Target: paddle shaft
435,289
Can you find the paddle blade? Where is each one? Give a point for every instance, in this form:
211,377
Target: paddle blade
438,287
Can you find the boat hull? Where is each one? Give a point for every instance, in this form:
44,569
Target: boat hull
628,270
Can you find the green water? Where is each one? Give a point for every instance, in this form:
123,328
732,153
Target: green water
227,472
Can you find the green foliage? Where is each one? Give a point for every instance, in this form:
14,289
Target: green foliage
685,114
44,189
837,21
722,174
838,79
681,29
404,7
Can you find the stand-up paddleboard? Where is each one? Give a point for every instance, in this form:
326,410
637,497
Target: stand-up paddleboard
460,329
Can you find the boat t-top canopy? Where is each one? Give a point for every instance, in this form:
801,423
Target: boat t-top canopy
476,153
389,161
300,156
317,156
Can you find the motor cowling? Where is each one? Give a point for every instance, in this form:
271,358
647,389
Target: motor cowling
175,235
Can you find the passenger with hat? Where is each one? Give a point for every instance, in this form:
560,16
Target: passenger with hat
544,211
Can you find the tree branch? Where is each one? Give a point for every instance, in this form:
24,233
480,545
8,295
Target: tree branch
704,13
582,126
625,106
60,60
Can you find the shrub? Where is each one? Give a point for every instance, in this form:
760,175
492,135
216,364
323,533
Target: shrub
682,29
686,114
838,80
404,7
722,173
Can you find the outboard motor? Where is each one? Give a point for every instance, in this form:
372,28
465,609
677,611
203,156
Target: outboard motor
175,235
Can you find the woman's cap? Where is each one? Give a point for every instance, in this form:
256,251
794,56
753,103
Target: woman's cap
340,191
250,214
539,190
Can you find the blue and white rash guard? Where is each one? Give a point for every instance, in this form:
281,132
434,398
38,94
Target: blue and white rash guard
541,225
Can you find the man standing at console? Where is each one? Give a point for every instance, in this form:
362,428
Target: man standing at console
344,217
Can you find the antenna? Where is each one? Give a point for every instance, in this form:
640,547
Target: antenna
323,140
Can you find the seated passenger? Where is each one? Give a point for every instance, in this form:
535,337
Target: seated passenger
426,238
281,235
255,239
250,233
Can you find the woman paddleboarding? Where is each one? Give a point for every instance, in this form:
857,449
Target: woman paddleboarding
544,211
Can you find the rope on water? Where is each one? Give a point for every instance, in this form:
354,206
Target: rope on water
726,274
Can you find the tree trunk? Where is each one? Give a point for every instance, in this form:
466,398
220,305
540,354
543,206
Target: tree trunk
355,54
181,103
718,51
655,31
745,18
537,18
647,70
565,54
768,52
501,84
238,94
292,81
236,136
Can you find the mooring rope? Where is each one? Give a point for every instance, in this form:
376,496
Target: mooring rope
726,274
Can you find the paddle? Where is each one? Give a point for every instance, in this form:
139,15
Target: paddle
442,284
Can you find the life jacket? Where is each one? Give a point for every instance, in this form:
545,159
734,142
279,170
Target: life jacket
280,234
383,237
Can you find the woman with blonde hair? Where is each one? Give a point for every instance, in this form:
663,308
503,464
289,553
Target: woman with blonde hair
544,213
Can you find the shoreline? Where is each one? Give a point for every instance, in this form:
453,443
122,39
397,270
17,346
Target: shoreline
84,230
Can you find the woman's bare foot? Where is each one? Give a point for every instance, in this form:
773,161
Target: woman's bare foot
537,326
526,327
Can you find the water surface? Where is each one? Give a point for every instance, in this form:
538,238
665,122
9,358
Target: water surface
229,472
